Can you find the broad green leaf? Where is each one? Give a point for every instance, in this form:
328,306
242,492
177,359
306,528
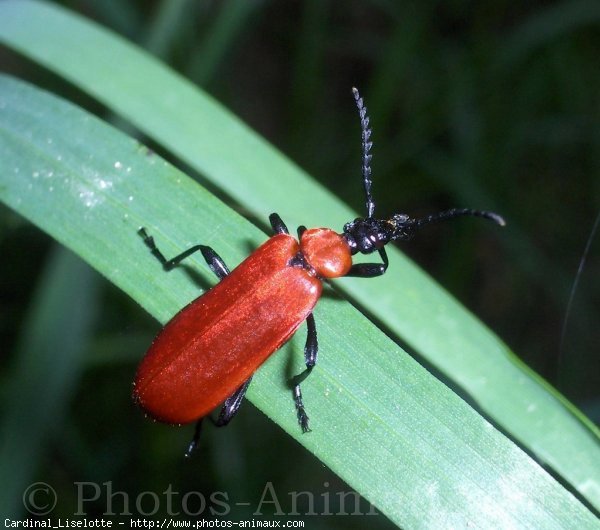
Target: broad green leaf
381,421
199,131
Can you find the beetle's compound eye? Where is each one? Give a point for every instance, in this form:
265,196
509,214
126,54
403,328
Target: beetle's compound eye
327,253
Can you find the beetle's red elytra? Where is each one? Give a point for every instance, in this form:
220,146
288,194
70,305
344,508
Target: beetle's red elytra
219,340
206,355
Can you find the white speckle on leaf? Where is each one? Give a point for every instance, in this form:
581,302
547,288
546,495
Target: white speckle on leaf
92,192
88,198
103,184
118,165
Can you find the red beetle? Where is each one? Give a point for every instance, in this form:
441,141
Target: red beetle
206,355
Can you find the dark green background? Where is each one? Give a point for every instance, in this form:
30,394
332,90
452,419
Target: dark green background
483,104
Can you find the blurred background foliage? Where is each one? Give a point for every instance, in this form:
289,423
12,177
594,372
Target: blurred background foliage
485,104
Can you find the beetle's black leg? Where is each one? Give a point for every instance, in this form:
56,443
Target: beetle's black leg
228,411
370,270
277,224
232,404
214,261
194,443
301,230
300,410
311,350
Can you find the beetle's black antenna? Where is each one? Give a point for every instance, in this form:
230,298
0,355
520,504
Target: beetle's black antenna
366,148
457,212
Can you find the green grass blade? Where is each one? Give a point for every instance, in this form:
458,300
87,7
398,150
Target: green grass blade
48,363
232,16
210,139
546,25
425,458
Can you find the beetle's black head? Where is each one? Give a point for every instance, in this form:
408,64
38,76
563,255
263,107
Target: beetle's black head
370,234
